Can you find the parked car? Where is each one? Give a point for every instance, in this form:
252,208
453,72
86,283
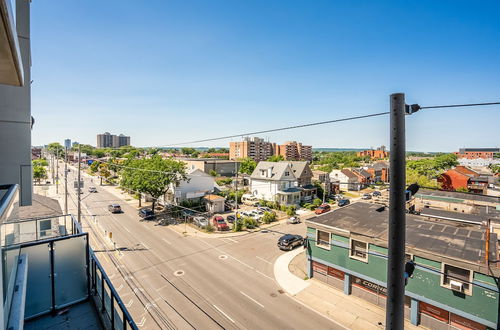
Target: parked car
200,221
323,208
344,202
114,208
92,189
219,223
377,193
338,197
366,196
247,214
293,220
146,214
289,241
231,218
265,209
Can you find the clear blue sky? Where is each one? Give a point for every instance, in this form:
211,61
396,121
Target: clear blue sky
173,71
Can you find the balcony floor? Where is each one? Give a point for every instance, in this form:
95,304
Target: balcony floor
79,316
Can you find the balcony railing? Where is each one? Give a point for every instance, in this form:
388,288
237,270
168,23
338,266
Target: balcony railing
62,270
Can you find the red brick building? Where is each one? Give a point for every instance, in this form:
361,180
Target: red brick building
380,153
474,153
463,177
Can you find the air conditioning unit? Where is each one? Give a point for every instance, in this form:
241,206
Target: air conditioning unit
456,286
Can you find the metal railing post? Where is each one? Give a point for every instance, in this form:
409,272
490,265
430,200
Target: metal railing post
112,311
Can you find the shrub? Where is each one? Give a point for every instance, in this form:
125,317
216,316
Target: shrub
317,202
276,206
283,208
250,223
210,228
238,225
331,201
269,217
291,210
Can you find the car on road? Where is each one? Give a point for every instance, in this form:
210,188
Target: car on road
293,220
366,196
146,214
377,193
200,221
231,218
265,209
114,208
289,241
344,202
92,189
219,223
323,208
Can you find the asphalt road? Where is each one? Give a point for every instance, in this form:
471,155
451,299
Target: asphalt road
169,281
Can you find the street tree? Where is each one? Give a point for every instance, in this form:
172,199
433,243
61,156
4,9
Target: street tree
275,158
104,171
39,173
152,176
247,165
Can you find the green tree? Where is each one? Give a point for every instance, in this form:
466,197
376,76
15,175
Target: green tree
155,176
213,173
40,162
247,165
269,217
290,211
39,173
104,172
462,189
94,167
56,148
187,151
276,158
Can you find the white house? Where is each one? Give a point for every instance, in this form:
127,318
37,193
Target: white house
275,181
197,185
347,179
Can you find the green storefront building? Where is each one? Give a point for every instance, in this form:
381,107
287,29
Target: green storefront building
453,286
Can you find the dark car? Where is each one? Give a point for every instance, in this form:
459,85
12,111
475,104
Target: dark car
114,208
323,208
231,218
344,202
377,193
146,214
289,241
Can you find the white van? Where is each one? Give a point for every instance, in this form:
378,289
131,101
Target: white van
248,199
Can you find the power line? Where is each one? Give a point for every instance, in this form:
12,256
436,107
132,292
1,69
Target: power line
460,105
280,129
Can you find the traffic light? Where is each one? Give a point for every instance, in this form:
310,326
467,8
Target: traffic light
409,268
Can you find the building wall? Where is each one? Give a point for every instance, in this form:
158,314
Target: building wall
451,180
15,117
425,284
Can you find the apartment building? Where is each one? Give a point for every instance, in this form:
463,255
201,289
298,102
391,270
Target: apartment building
292,150
255,148
67,143
108,140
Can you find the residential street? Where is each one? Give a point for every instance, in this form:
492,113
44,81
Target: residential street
168,280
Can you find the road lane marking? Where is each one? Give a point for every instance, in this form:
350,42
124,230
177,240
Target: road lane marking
261,273
140,324
255,301
119,288
129,303
127,230
264,260
216,248
230,239
145,246
220,310
166,241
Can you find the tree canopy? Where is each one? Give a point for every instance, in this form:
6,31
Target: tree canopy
247,165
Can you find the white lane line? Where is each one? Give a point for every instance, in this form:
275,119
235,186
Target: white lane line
119,288
140,324
145,245
223,252
255,301
264,260
261,273
129,303
166,241
230,239
220,310
127,230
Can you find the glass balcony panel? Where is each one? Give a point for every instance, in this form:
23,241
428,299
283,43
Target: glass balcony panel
70,270
39,288
118,317
107,300
10,257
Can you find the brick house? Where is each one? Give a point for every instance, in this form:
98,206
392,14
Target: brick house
465,178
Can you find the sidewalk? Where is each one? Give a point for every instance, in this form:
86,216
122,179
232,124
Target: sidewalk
349,311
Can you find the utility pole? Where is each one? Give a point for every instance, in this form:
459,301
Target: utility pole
66,181
397,216
57,172
78,185
236,192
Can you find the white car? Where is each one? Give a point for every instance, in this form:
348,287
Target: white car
293,220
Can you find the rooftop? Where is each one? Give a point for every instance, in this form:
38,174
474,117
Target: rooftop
436,239
458,195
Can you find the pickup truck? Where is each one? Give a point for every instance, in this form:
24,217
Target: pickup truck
219,223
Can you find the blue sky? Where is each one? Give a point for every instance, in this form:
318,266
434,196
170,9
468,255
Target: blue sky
173,71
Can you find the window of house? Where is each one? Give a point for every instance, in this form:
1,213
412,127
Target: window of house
287,173
456,278
323,239
359,250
